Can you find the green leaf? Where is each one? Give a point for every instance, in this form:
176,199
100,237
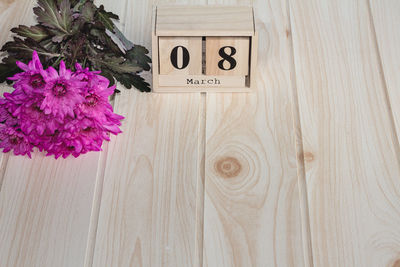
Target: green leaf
128,44
109,76
78,31
58,38
25,48
138,54
50,46
77,5
36,33
105,17
127,78
84,12
8,68
66,14
88,11
133,80
139,83
48,14
108,14
118,65
106,41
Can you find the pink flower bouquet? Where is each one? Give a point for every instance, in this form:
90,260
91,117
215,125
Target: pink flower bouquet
63,113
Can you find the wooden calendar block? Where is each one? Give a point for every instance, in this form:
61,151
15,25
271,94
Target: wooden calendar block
204,48
212,20
180,55
227,56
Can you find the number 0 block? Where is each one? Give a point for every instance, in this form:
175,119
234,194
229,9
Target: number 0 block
180,55
227,56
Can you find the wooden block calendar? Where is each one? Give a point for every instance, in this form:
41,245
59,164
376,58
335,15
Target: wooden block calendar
204,49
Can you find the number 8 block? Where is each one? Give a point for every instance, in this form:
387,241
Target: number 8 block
227,55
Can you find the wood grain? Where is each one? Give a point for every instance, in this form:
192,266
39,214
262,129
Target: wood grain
336,78
204,21
12,14
149,205
385,17
351,159
193,46
241,55
8,20
197,22
45,208
45,205
252,207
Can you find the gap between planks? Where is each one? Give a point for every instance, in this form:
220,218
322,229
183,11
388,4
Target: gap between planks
301,174
28,20
94,218
201,181
101,168
3,167
395,134
302,186
333,242
98,190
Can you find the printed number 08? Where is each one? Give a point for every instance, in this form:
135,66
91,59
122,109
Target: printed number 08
186,58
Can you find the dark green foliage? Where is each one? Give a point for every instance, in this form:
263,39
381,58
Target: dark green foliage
77,31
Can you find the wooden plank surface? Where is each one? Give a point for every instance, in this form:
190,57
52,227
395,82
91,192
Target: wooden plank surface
148,206
351,153
336,79
45,205
8,20
45,208
386,21
13,13
252,208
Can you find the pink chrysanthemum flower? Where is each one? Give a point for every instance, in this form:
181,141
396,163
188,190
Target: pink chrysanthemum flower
12,139
34,121
5,116
91,77
78,137
96,104
63,113
32,76
62,92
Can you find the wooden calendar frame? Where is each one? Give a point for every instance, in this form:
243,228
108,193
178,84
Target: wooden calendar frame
224,21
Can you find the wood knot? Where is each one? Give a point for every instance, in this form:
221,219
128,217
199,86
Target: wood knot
308,157
287,33
228,167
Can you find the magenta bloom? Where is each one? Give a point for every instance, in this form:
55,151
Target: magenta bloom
32,77
35,121
96,104
62,92
63,113
12,139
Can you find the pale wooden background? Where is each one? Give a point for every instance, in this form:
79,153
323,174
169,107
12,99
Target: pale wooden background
316,150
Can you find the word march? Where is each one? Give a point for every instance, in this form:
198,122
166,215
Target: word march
213,81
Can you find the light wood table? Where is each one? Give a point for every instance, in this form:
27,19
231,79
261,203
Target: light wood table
303,172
